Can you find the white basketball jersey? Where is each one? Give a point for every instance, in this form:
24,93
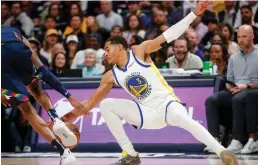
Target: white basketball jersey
143,82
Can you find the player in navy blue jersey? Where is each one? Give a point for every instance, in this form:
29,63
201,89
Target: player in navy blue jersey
21,68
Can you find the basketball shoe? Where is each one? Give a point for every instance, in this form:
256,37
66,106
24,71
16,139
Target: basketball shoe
128,160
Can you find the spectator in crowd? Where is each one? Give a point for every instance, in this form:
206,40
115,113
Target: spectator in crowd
91,68
116,30
227,30
245,75
51,38
219,37
55,11
93,42
135,41
212,27
228,16
182,57
159,19
254,8
75,10
133,26
75,24
194,43
200,28
174,14
92,25
228,105
109,18
251,114
247,18
18,15
219,55
18,129
5,14
134,8
36,46
50,23
58,47
71,48
59,64
159,57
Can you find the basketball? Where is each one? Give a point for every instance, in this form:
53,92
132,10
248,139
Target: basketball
72,127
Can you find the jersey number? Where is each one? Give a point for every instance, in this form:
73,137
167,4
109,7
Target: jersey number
138,80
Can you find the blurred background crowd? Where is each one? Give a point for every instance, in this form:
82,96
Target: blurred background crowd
69,36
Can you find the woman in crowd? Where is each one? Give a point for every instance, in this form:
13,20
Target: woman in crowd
133,26
51,38
227,30
219,55
72,47
59,64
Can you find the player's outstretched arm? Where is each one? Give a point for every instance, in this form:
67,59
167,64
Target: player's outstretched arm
106,84
48,77
173,32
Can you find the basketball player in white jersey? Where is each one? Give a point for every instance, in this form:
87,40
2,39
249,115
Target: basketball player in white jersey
155,105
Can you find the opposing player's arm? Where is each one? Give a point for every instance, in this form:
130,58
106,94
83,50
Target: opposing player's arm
172,33
106,84
47,76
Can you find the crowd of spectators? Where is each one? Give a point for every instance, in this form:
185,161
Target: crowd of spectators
66,33
69,36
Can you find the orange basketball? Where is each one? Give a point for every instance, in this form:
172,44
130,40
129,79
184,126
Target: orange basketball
72,127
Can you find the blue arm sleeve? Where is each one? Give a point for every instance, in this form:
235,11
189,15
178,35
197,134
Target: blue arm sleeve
48,77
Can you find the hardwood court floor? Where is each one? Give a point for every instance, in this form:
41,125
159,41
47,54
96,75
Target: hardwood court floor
45,159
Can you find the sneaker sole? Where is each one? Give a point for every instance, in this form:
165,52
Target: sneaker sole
251,152
68,161
65,134
229,158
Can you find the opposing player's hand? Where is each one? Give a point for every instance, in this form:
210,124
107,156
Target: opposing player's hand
5,101
201,7
80,109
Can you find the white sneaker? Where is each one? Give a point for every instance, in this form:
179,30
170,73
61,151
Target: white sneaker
250,147
64,133
17,149
208,150
26,149
67,158
235,146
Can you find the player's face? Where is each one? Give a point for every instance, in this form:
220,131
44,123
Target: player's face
111,52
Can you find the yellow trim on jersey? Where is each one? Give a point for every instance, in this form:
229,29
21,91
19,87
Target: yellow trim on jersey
2,43
163,82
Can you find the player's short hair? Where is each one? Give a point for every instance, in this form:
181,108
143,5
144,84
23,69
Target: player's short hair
118,40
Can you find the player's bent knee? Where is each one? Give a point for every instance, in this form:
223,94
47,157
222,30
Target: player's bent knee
106,104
